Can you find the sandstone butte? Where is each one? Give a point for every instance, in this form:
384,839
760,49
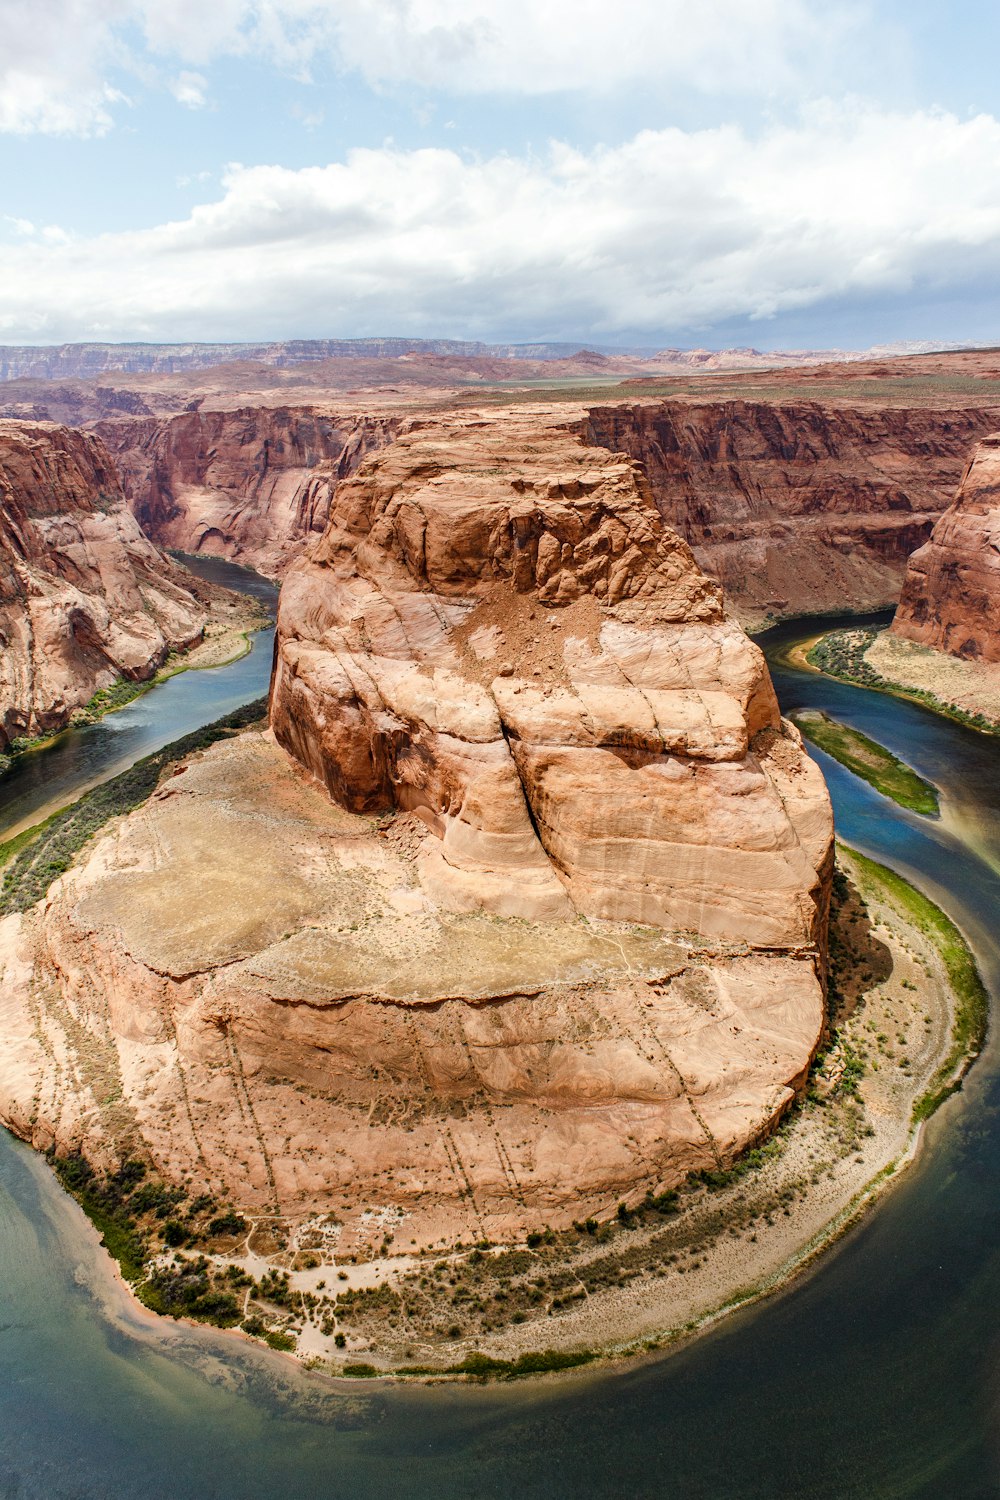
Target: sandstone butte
951,594
794,505
84,596
519,909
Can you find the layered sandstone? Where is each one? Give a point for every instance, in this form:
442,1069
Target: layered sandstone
556,940
498,632
252,485
84,597
951,596
797,506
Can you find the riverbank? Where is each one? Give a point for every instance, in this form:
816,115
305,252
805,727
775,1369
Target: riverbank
901,1030
225,640
872,657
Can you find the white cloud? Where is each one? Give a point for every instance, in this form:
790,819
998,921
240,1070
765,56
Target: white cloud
189,89
58,56
670,231
53,64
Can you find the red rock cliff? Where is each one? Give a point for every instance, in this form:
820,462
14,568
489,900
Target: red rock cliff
84,597
250,485
951,596
797,506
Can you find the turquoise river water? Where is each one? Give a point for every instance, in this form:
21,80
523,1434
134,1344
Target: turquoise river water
875,1375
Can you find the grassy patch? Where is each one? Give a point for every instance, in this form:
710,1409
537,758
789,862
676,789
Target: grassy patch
971,999
54,844
841,654
871,761
23,839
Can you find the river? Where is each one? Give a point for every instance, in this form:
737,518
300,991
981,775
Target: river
875,1375
78,759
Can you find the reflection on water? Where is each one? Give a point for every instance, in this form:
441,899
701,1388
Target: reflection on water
876,1376
80,758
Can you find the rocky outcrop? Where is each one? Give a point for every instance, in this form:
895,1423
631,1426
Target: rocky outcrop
250,485
951,595
497,633
557,940
84,597
797,506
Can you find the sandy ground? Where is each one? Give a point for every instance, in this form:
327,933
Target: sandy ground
969,685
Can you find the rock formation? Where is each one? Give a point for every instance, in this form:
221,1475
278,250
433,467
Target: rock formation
251,485
84,597
557,940
951,595
797,506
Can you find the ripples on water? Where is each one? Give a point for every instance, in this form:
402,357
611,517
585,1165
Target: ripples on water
874,1376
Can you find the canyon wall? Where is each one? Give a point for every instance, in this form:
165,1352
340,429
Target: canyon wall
250,485
802,506
84,596
951,595
556,940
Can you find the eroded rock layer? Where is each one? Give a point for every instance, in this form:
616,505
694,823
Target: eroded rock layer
951,595
797,506
558,938
498,633
250,485
84,597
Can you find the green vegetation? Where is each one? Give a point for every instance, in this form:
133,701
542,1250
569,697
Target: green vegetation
140,1218
120,692
871,761
21,840
971,999
841,654
54,844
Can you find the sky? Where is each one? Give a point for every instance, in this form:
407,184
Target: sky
779,173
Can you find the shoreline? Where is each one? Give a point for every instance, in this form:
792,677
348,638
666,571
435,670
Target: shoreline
223,642
657,1312
860,670
20,833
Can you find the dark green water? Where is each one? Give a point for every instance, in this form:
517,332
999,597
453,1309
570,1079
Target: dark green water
878,1375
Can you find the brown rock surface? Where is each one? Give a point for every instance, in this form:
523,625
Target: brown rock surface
800,506
951,596
312,1034
250,485
84,597
498,633
559,941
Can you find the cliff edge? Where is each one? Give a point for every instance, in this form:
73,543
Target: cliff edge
951,595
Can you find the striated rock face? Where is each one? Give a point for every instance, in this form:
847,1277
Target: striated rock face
497,633
250,485
951,596
797,506
559,937
84,597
